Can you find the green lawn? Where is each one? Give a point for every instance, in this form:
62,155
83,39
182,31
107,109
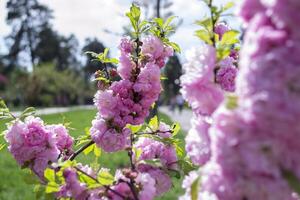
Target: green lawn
12,185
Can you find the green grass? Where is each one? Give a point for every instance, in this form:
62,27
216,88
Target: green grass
12,185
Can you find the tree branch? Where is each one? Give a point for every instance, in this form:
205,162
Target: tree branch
80,150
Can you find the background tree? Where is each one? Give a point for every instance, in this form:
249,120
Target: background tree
90,66
26,17
172,71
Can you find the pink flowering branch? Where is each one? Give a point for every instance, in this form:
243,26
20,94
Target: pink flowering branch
105,186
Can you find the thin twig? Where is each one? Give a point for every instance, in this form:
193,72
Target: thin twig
81,149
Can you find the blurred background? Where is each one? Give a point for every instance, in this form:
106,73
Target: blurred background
42,45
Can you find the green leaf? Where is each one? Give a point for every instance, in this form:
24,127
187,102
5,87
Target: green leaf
160,22
204,36
205,23
52,187
227,6
28,112
163,78
49,175
138,152
175,47
174,173
2,104
104,177
194,189
2,146
292,180
112,60
134,129
105,53
175,128
186,166
154,123
97,151
89,149
231,102
168,22
230,38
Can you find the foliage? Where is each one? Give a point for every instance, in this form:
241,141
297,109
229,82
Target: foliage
208,35
47,87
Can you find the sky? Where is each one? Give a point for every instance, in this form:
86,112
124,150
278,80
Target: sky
89,18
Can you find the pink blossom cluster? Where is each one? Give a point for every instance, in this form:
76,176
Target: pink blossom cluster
155,150
35,145
253,147
128,101
146,184
203,86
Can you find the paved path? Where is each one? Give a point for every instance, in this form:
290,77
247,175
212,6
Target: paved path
48,111
182,118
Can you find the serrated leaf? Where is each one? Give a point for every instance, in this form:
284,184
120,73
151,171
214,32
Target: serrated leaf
28,112
134,129
227,6
154,123
168,21
186,166
205,23
230,38
175,128
174,173
138,152
194,189
2,104
89,149
159,21
204,36
49,174
105,53
232,102
112,60
97,151
52,187
2,146
105,178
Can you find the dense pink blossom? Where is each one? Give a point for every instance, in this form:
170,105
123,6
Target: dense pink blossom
126,66
73,187
198,141
32,144
108,138
163,182
254,145
152,149
152,47
198,86
226,78
128,101
64,141
126,45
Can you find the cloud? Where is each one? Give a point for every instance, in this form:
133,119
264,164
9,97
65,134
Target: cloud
90,18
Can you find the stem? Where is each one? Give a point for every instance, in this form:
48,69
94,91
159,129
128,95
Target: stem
131,185
155,132
213,22
80,150
106,71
